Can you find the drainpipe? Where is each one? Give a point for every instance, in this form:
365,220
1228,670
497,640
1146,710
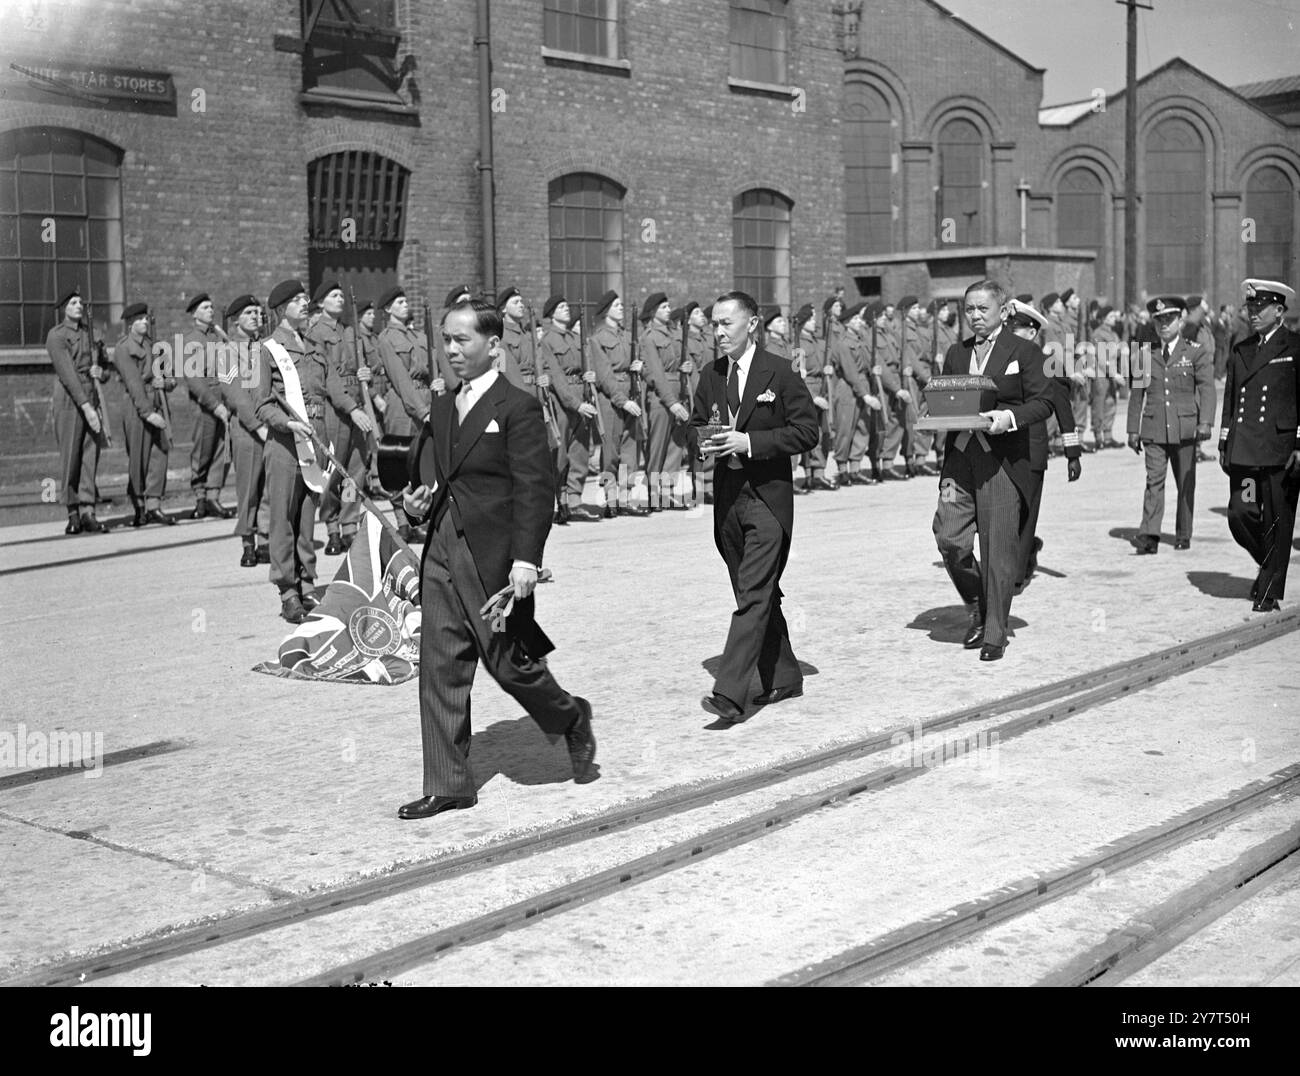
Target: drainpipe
1022,189
483,47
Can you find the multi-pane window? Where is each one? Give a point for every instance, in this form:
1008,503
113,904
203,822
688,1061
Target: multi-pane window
759,37
60,225
868,171
761,246
351,46
961,185
1175,205
356,218
589,27
586,226
1081,216
1270,203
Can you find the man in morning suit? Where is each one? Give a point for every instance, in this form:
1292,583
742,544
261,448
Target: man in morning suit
1259,442
772,418
987,482
483,474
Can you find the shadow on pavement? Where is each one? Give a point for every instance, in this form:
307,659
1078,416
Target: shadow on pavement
948,623
519,752
1221,584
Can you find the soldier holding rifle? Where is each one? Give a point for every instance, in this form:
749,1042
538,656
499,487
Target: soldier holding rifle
209,459
621,413
78,425
248,437
564,367
148,439
667,412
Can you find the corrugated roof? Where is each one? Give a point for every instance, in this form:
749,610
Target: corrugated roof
1269,87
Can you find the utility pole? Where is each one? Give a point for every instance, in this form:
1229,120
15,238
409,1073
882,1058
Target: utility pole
1130,155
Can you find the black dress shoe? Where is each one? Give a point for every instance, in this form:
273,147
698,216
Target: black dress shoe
563,514
824,484
609,512
583,514
581,742
156,515
1265,605
636,511
334,546
801,490
348,539
263,551
975,633
309,598
989,652
291,608
1183,543
1146,545
249,557
723,707
74,526
778,694
219,511
861,478
890,475
928,469
91,525
432,805
138,519
200,509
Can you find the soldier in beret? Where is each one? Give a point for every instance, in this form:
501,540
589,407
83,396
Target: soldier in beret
340,508
612,361
899,405
148,437
404,357
666,408
248,435
1259,438
917,367
209,460
812,363
293,373
561,358
78,425
518,348
1168,414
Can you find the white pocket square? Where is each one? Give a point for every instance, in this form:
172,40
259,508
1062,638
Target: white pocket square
765,397
1013,367
1284,358
492,427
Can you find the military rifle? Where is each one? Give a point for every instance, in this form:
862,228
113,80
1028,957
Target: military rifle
683,378
367,405
543,394
432,369
638,393
160,388
95,348
590,395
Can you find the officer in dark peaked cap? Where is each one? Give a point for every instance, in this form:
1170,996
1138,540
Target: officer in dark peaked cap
208,459
1168,413
1259,441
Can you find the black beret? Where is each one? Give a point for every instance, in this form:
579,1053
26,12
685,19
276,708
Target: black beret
805,312
1048,301
238,306
202,297
284,291
454,294
826,306
651,304
326,286
72,292
906,301
506,296
1024,297
552,304
606,301
850,311
364,305
1103,312
770,314
1066,295
1166,304
135,310
874,310
1193,301
686,310
386,300
676,314
708,312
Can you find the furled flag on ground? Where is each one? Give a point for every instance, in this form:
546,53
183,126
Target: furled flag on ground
366,629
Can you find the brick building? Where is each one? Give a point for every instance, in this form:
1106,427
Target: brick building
638,144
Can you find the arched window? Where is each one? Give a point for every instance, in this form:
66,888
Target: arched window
1270,203
961,185
586,224
60,224
760,231
1081,216
356,214
868,142
1175,208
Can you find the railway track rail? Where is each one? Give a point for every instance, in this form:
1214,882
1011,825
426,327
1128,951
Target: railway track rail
1044,705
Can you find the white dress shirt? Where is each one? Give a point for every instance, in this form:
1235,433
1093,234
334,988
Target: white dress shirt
742,376
978,366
